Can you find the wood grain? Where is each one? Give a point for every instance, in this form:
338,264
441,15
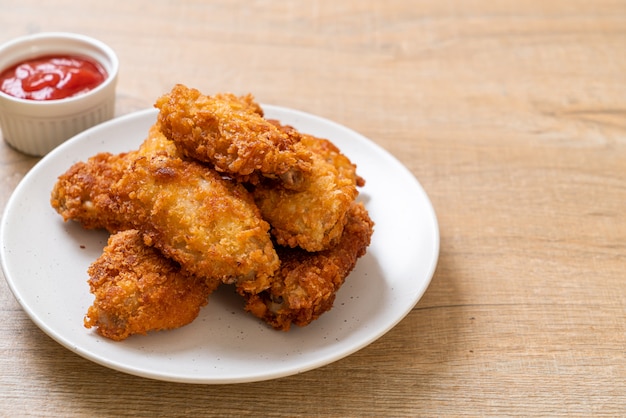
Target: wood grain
512,115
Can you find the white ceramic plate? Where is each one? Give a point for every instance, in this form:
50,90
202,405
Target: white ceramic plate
45,262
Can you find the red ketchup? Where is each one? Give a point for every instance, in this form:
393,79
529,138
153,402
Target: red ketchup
52,77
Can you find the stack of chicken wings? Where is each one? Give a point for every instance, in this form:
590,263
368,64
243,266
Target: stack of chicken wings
216,195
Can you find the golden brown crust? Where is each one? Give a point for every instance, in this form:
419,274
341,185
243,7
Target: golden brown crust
230,133
314,217
307,283
82,193
208,224
137,290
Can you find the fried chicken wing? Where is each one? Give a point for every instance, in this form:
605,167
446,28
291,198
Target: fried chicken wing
230,133
312,218
208,224
138,290
307,283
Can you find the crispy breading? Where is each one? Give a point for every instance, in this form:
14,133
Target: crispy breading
83,192
307,283
208,224
230,133
137,290
314,217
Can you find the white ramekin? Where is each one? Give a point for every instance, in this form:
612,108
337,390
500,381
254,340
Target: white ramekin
35,127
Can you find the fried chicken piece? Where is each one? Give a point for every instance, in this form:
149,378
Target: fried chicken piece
138,290
83,192
314,217
208,224
307,283
230,133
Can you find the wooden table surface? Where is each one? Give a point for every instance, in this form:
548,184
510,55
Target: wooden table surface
512,115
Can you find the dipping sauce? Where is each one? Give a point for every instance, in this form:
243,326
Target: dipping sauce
52,77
